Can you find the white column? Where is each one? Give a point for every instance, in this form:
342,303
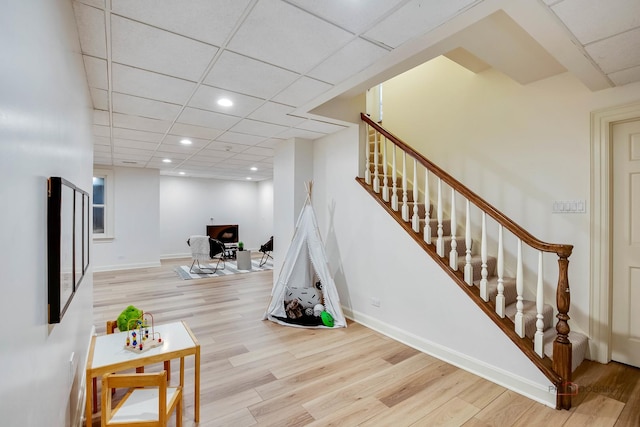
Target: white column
394,188
453,254
440,240
500,301
484,292
519,320
385,180
538,339
405,206
427,207
376,177
468,268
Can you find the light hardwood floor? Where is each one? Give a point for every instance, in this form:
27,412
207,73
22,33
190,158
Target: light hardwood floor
255,372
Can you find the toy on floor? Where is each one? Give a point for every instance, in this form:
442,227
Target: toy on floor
139,338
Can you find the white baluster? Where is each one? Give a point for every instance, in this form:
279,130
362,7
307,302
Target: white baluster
453,254
519,320
500,301
427,207
405,206
367,171
484,291
394,188
415,219
385,181
376,177
538,339
440,240
468,268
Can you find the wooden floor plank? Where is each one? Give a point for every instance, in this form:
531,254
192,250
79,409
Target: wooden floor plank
256,372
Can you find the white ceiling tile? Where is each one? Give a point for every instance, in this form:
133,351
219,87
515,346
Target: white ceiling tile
196,143
248,157
591,20
90,22
149,48
194,131
194,116
97,148
100,99
318,126
140,123
136,135
132,153
415,18
276,113
618,52
226,146
627,76
129,163
259,151
101,131
210,21
96,3
267,32
206,97
240,138
271,143
303,90
349,60
233,162
354,16
249,76
300,133
183,150
102,160
101,140
253,127
212,154
101,118
174,156
150,85
127,104
140,145
96,70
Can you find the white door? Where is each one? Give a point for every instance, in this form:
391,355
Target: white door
625,330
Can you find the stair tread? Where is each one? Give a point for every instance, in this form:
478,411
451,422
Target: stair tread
530,312
579,346
510,293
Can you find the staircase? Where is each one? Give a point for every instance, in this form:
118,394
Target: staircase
464,255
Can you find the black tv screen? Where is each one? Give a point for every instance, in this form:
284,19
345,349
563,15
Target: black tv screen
224,233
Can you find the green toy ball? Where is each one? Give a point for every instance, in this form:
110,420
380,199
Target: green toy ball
124,320
327,319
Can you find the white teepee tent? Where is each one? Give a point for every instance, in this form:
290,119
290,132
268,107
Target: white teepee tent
305,264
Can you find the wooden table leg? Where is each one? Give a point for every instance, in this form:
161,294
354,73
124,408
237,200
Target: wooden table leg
89,398
197,384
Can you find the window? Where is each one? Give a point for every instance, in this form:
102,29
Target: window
102,204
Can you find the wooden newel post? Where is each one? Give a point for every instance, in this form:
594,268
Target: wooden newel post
562,344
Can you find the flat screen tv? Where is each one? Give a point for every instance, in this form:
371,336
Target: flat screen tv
225,233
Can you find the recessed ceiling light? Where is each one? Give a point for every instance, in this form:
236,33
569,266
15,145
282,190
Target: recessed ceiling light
253,168
249,178
185,141
166,160
181,173
225,102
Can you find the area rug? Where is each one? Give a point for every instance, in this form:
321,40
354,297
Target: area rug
230,268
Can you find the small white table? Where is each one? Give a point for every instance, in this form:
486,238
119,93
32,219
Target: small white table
243,260
107,354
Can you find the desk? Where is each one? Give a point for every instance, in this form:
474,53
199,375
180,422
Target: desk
107,354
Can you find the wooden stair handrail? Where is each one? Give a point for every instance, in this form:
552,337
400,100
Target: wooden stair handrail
560,370
563,251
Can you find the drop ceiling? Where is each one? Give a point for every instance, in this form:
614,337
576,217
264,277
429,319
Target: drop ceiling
156,69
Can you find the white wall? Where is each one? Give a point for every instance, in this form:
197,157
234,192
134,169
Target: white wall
136,242
188,204
518,147
44,131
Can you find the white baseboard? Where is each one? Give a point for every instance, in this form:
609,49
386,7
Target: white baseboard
172,256
125,266
542,394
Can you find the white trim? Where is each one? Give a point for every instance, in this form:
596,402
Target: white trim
79,413
117,267
523,386
600,234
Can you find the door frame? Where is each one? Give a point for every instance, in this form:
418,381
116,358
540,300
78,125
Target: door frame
600,283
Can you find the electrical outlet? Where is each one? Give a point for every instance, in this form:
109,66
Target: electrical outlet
375,302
